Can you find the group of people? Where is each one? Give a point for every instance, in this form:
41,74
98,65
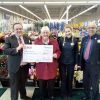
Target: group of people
65,55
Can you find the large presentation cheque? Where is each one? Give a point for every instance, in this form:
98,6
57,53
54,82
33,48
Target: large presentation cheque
38,53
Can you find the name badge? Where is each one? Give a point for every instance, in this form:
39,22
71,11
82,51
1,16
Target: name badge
98,41
72,44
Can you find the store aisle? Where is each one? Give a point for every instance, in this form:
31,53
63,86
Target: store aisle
6,95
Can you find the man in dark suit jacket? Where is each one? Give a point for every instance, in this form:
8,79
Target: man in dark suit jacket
18,70
90,63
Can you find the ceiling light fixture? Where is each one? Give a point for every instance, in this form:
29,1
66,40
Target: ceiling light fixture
83,12
16,13
34,3
93,2
54,3
47,11
66,11
76,2
12,2
30,12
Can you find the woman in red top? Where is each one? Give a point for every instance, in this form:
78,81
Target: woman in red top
46,71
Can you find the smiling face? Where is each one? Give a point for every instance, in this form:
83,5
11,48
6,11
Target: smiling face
68,32
91,28
45,33
18,29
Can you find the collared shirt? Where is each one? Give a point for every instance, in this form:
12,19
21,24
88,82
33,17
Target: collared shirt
21,37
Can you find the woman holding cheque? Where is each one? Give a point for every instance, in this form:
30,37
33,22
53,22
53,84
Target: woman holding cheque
46,71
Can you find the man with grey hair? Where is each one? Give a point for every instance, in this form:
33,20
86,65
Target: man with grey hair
90,63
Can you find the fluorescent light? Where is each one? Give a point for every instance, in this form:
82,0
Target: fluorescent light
33,2
92,2
66,11
12,2
69,7
47,11
16,13
77,2
83,12
55,3
30,12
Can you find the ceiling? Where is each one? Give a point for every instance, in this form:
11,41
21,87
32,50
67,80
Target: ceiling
56,10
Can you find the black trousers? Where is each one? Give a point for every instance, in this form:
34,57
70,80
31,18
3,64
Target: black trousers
17,82
46,87
91,81
66,74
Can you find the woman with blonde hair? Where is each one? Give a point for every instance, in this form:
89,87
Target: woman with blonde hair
68,59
